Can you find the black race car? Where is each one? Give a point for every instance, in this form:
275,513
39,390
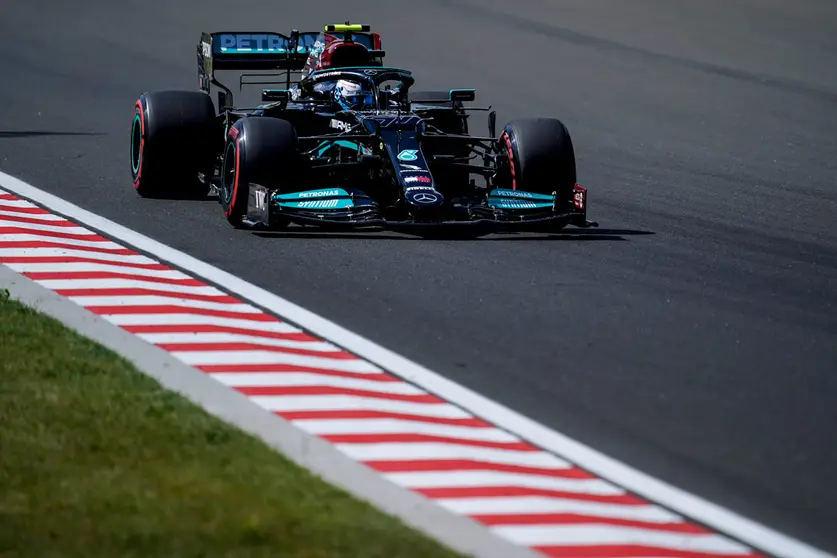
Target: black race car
346,143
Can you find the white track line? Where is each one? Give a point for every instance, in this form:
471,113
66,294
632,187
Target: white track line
98,244
294,379
62,284
560,535
584,456
377,451
455,479
208,358
511,505
222,337
68,252
195,319
38,216
290,403
327,427
153,300
90,266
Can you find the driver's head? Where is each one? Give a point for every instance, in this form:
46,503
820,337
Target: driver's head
353,96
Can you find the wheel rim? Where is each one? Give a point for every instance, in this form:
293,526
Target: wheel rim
228,171
136,144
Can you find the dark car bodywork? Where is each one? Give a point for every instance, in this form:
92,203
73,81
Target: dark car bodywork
406,164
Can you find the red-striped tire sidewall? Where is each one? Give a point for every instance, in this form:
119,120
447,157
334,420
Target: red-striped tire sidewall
506,142
234,210
141,111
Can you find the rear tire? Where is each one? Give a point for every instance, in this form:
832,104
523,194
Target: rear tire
259,150
542,158
173,139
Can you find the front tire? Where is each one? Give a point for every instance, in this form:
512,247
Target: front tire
259,150
541,157
172,136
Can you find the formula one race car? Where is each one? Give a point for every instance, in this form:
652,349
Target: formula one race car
348,144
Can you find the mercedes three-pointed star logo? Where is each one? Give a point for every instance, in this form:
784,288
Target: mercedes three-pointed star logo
425,198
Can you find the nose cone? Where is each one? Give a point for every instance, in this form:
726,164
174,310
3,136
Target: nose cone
423,196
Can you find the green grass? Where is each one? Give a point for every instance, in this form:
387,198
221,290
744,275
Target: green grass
98,460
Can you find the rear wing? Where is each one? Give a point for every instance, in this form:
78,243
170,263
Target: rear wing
266,51
254,51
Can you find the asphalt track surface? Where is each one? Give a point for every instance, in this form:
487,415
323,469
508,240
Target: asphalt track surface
693,335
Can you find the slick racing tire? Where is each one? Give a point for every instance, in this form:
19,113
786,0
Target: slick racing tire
173,139
541,157
259,150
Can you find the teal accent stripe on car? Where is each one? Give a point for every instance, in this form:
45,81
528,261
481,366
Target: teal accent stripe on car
231,50
312,194
326,198
521,195
505,203
326,145
319,204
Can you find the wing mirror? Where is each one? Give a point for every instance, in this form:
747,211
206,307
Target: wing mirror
462,95
272,95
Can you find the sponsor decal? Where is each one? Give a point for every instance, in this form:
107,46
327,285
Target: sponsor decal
424,179
251,42
293,200
514,194
407,168
578,200
504,193
319,194
408,155
517,205
322,204
340,125
328,74
206,49
260,199
370,72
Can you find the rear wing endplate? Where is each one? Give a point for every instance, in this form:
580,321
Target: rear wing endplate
268,51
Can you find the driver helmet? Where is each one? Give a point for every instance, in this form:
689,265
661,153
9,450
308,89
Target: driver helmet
353,96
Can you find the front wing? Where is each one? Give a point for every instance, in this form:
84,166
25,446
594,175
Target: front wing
335,208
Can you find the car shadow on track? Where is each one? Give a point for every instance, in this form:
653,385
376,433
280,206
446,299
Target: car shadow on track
35,134
579,235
